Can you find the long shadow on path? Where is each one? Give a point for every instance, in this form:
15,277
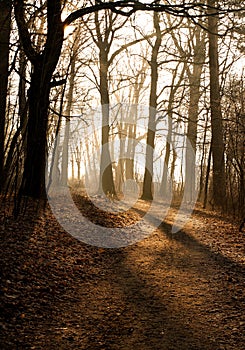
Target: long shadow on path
181,296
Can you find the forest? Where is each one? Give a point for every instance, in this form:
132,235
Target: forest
122,174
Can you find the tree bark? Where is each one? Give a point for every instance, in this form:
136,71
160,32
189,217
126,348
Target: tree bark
150,143
219,184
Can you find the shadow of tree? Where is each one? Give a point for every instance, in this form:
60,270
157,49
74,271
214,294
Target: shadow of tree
188,305
167,292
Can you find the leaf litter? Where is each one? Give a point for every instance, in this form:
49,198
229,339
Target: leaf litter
170,291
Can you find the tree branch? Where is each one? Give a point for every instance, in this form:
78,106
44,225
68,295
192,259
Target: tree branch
23,31
126,8
55,83
124,47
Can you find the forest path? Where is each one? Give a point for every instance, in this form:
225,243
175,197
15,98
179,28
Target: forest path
170,291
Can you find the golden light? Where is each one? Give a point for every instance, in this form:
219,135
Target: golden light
68,29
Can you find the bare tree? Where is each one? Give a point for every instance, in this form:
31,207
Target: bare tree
147,183
219,183
234,130
44,58
5,25
43,66
176,82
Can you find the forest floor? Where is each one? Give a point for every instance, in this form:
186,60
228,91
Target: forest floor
178,291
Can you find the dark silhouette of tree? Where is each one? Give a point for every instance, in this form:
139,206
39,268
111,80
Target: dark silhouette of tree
5,25
43,66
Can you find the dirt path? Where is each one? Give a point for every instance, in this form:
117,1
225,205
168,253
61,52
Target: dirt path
183,291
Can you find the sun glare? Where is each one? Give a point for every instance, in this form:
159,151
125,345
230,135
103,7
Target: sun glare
68,30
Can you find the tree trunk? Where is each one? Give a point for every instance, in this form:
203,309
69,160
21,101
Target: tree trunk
72,168
190,155
22,93
147,183
164,187
11,155
5,22
194,77
44,64
207,178
164,182
219,185
120,171
65,152
106,175
33,183
203,164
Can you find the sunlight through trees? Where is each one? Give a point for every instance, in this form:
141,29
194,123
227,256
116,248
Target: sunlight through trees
85,73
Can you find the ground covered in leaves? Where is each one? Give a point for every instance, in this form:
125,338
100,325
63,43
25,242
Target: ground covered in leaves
170,291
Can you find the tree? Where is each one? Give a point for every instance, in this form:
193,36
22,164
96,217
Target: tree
44,59
43,66
219,183
104,39
103,36
150,142
193,57
234,130
70,93
135,77
5,26
175,85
